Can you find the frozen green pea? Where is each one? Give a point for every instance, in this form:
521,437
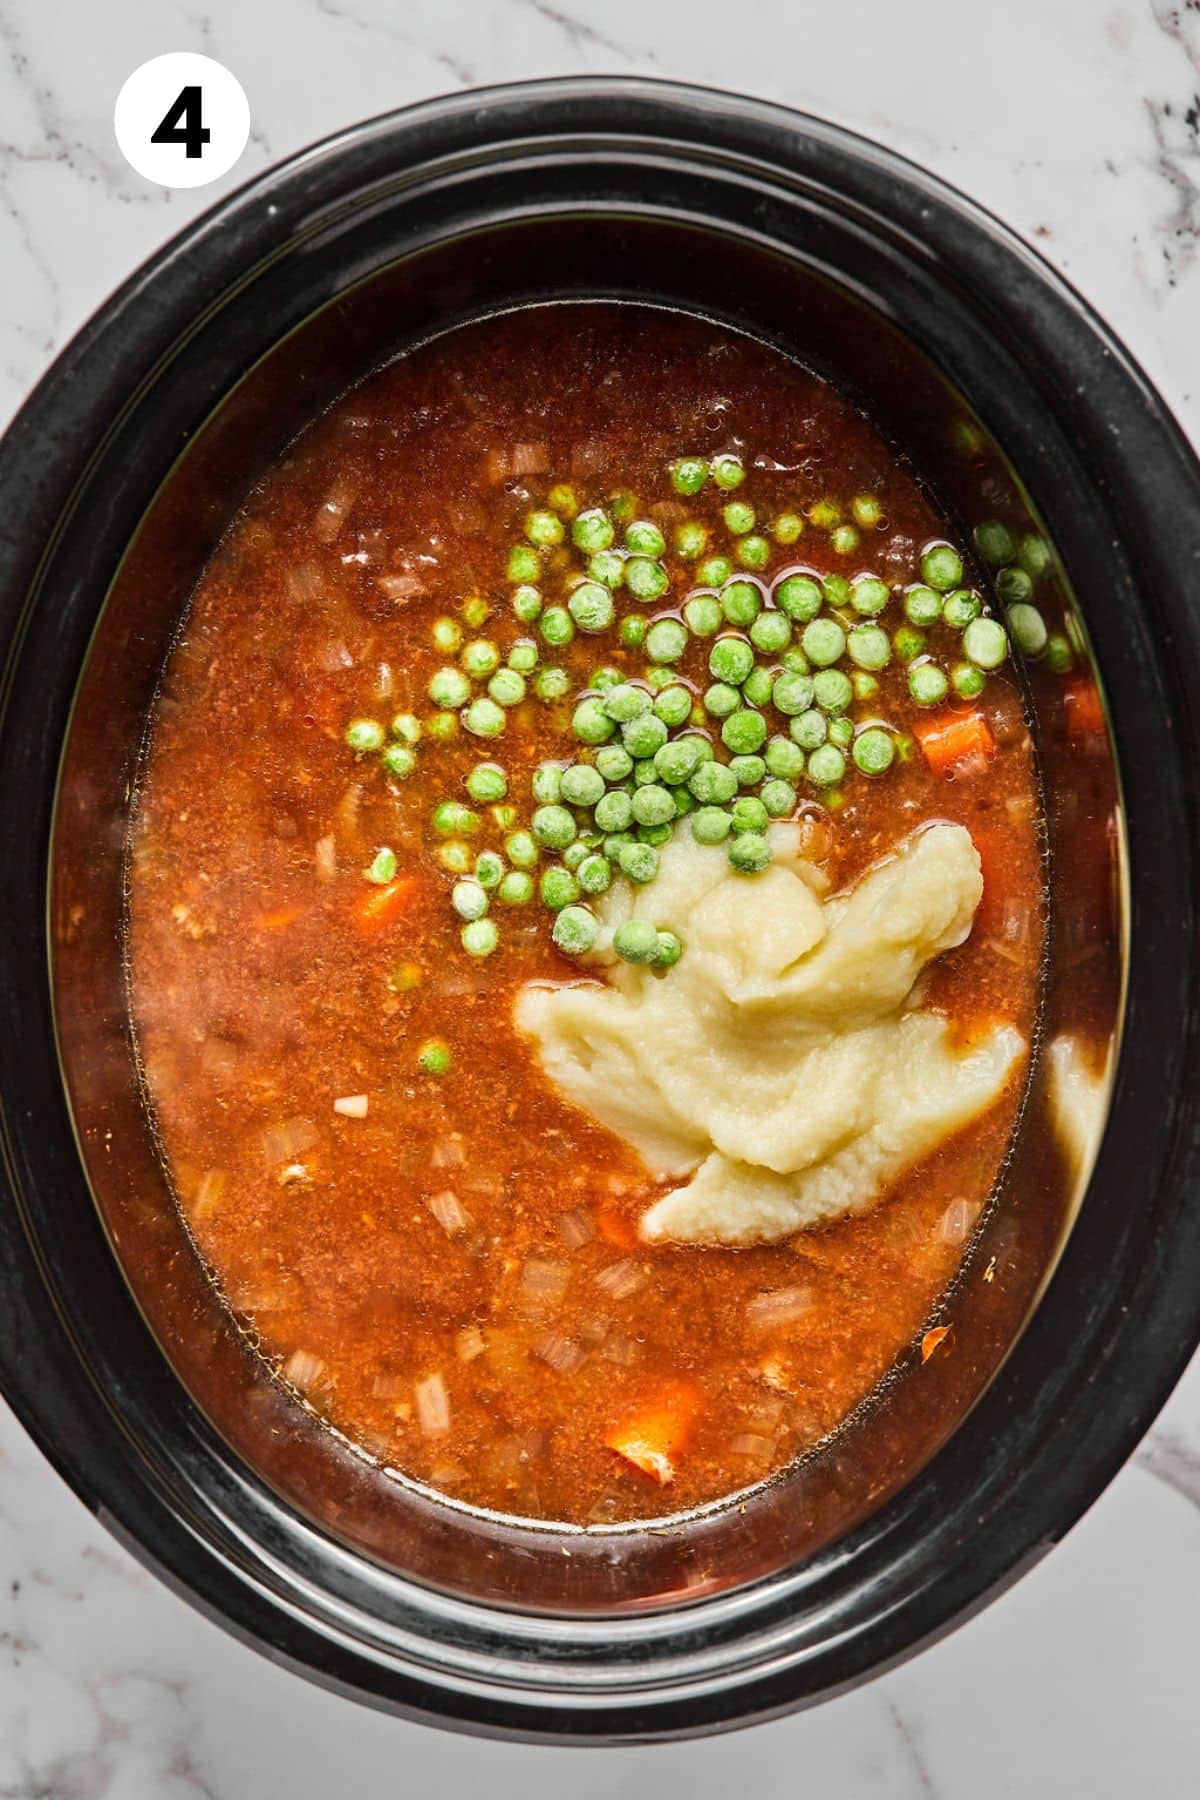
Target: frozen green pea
967,681
865,686
823,642
443,726
645,578
614,762
994,543
450,818
655,835
582,785
739,517
960,607
673,706
523,656
844,539
614,811
721,699
908,643
590,723
703,614
941,567
727,471
575,930
1059,655
826,766
594,873
713,783
506,687
749,814
626,701
799,597
691,540
607,567
810,729
714,572
551,684
684,803
741,602
553,826
407,727
521,849
750,853
544,528
469,898
758,687
784,759
455,856
653,805
434,1057
841,731
771,632
788,527
574,854
832,690
614,842
779,798
475,610
667,950
791,693
557,626
867,510
836,589
1014,585
527,603
753,552
689,474
487,782
869,595
505,816
515,889
869,647
489,869
747,771
1027,628
874,751
523,564
591,606
985,644
730,660
636,941
448,687
666,641
677,760
592,530
558,887
562,498
479,658
1033,554
659,676
480,937
643,538
927,683
399,760
639,862
710,825
922,606
483,718
382,868
643,736
447,636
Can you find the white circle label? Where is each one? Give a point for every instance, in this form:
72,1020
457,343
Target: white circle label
182,120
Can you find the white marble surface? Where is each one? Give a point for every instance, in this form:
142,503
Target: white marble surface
1078,121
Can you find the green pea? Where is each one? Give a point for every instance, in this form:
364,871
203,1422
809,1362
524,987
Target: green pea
749,814
730,660
869,595
836,589
787,528
551,684
1027,628
553,826
645,579
799,596
810,729
844,539
689,474
475,610
562,498
747,771
741,602
832,690
448,687
994,543
667,950
922,606
487,782
523,563
1033,554
874,750
656,835
771,632
867,510
591,723
557,626
479,658
941,567
505,816
826,766
792,694
614,762
483,718
594,873
636,941
869,646
575,930
591,606
606,677
779,798
985,643
450,818
544,529
399,760
653,805
703,614
865,686
684,803
521,850
507,688
614,811
456,857
581,785
677,760
841,731
784,759
673,706
727,471
607,567
1014,585
721,699
480,937
643,538
639,862
713,783
666,641
823,642
382,869
960,607
469,898
758,686
574,854
633,632
710,825
739,517
643,735
714,572
447,635
558,887
927,683
691,540
434,1057
523,657
1059,655
967,681
527,603
908,643
443,726
750,853
592,530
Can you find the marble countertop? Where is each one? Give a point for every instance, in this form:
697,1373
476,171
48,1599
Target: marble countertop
1078,122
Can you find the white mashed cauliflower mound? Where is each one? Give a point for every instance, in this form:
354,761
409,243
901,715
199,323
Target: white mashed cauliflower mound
778,1064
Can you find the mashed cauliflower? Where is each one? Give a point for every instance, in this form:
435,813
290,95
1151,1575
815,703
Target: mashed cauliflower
779,1069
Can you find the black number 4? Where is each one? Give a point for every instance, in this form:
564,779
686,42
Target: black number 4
181,123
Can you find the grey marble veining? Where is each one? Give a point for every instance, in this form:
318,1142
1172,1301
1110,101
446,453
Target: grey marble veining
1077,121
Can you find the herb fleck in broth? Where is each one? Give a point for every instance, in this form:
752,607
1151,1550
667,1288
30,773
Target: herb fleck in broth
338,890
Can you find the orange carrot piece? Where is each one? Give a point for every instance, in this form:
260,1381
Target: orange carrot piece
383,903
616,1228
652,1437
932,1339
953,738
1085,715
275,921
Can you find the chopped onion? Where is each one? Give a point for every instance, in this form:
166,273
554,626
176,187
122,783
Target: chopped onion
352,1106
346,811
560,1353
543,1283
305,584
620,1350
449,1152
325,857
389,1387
401,588
779,1306
620,1279
577,1228
447,1209
333,657
333,509
433,1405
295,1175
528,459
1017,921
1020,808
815,838
209,1189
469,1343
302,1368
1005,950
748,1443
495,467
288,1140
958,1221
589,457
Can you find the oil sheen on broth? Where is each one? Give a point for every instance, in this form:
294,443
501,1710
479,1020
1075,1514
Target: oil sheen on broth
556,1102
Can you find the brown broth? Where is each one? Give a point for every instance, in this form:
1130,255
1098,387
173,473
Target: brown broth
260,995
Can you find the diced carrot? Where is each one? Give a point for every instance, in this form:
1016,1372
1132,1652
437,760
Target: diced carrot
618,1230
993,864
953,738
383,903
275,921
654,1434
932,1339
1085,715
